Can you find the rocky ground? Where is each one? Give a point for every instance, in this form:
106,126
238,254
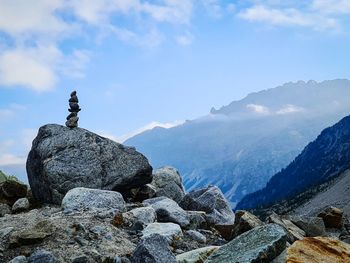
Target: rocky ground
151,219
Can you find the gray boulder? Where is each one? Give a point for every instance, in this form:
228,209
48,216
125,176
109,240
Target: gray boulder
62,159
21,205
168,182
168,230
4,209
142,215
313,226
94,200
212,201
244,222
261,244
195,235
42,256
19,259
168,211
153,249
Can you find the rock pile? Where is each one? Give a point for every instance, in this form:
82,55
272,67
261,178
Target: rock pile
72,118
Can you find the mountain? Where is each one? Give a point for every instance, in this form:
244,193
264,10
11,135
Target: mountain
242,145
321,160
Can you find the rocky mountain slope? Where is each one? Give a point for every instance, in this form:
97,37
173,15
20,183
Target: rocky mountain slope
240,146
323,159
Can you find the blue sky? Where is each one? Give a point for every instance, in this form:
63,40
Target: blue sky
137,63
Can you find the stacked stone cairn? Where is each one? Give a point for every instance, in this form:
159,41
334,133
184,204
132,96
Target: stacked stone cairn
72,118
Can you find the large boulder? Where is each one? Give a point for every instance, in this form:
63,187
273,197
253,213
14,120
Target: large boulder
244,222
319,250
212,201
62,158
332,217
168,182
94,200
141,215
168,230
313,226
153,249
168,211
261,244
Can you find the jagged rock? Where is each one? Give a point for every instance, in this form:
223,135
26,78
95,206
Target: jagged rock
167,230
62,159
4,209
168,210
318,250
244,222
20,205
168,182
313,226
11,190
19,259
42,256
32,235
196,256
212,201
197,219
195,235
143,215
293,232
85,199
153,249
332,217
261,244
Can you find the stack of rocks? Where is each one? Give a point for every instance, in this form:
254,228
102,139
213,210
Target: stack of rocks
72,118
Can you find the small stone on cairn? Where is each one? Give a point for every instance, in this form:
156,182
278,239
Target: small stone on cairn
72,118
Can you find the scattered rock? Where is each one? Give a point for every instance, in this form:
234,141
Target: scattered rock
318,250
313,226
261,244
168,182
167,230
42,256
153,249
85,199
62,159
4,209
21,205
168,211
196,256
244,222
195,235
11,190
19,259
332,217
197,219
293,232
212,201
144,215
32,235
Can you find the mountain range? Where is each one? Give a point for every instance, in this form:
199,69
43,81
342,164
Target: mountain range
239,147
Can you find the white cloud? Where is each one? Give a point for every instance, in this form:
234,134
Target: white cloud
27,137
213,7
147,127
289,109
5,114
185,39
10,159
288,17
332,6
260,109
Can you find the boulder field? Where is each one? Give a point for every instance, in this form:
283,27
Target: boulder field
94,200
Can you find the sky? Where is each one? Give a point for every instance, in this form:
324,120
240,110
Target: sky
137,64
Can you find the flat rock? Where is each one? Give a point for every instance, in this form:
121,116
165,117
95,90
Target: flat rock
332,217
313,226
261,244
293,232
196,256
42,256
168,210
62,159
168,182
244,222
21,205
153,249
85,199
212,201
167,230
318,250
